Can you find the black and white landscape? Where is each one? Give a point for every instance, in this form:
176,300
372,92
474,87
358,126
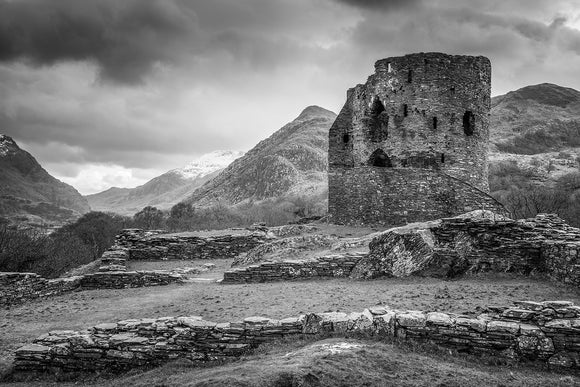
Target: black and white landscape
164,192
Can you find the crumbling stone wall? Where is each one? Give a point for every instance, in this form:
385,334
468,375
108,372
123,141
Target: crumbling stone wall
18,287
328,266
155,245
546,331
454,246
411,143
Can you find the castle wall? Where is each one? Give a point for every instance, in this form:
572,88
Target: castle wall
419,112
395,196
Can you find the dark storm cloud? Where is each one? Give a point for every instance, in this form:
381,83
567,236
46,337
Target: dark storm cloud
383,5
125,38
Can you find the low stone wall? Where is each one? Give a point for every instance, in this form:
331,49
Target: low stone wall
454,246
542,331
128,279
19,287
153,245
335,265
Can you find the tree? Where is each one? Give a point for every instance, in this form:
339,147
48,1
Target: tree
181,216
96,230
149,218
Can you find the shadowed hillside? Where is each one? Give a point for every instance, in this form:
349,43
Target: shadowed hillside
29,194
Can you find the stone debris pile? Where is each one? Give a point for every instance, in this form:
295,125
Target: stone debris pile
546,331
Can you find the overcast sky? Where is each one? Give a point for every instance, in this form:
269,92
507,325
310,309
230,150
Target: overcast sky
114,92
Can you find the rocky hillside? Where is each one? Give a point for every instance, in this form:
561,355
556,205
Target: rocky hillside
292,161
537,128
165,190
29,194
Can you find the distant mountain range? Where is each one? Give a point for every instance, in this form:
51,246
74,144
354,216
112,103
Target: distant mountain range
165,190
29,194
291,162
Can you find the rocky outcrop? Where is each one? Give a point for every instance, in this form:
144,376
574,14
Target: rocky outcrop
328,266
454,246
528,331
285,248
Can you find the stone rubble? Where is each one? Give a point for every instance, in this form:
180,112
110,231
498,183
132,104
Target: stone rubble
547,331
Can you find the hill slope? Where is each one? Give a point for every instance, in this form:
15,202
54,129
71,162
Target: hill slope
537,129
165,190
536,119
29,194
292,161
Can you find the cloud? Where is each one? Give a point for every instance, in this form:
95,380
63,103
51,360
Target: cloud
127,39
382,5
147,85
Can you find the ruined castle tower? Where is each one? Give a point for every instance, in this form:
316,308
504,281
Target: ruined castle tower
411,144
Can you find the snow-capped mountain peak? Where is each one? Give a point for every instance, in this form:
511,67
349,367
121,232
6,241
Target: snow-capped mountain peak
208,163
7,145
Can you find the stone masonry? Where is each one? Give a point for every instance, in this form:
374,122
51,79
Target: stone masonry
445,248
411,144
454,246
547,332
156,245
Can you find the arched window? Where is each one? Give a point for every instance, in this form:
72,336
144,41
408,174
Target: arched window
377,107
345,138
468,123
380,159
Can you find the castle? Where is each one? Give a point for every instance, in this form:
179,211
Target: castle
411,144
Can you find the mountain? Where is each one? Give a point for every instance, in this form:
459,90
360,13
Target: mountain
165,190
29,194
536,119
537,130
292,161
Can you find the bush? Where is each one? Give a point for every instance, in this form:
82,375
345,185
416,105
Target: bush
524,199
70,246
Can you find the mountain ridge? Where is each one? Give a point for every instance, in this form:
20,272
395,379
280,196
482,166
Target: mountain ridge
164,190
29,194
291,161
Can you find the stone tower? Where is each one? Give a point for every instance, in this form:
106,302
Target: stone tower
411,144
